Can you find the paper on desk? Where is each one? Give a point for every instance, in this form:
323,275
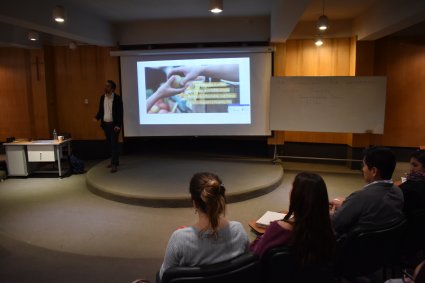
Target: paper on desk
268,217
43,141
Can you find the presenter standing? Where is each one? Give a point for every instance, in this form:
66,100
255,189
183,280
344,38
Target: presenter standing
110,114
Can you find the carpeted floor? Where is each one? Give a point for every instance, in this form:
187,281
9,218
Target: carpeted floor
56,230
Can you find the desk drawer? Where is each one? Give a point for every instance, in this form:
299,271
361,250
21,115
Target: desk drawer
41,153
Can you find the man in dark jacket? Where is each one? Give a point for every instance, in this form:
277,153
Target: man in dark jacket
377,204
111,116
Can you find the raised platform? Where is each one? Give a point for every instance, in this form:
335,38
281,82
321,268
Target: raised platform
163,181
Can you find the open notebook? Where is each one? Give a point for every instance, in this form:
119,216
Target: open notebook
268,217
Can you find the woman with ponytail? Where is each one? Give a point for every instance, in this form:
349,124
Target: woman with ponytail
212,238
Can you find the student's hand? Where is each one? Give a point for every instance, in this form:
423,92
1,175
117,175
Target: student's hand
334,204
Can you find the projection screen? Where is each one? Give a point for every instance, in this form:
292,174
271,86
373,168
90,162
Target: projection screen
196,92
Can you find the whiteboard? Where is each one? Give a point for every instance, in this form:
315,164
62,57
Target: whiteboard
328,104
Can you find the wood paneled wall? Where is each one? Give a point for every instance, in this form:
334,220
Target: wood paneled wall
364,66
302,58
45,89
22,95
80,75
402,60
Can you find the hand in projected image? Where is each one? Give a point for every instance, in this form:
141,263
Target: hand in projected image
185,74
167,89
228,72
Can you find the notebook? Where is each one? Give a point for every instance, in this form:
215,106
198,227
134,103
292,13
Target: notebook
268,217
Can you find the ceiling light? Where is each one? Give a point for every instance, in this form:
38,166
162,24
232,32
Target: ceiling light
322,23
33,35
216,6
318,42
59,14
72,45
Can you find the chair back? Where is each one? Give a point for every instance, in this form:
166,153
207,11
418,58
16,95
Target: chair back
414,238
364,252
245,268
279,265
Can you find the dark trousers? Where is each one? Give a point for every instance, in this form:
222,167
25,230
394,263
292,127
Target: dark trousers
112,140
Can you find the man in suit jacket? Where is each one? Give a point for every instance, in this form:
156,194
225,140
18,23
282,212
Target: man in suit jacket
377,204
110,114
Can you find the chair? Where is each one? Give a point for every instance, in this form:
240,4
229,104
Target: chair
279,266
364,252
414,239
245,268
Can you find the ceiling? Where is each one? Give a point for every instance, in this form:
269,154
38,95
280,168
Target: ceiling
112,22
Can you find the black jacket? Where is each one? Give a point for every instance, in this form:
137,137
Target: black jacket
414,196
117,110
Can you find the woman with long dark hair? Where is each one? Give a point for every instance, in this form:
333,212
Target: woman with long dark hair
212,238
414,187
306,228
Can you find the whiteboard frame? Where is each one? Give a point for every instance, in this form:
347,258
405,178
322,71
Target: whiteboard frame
340,104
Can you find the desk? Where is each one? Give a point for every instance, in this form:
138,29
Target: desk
21,156
257,229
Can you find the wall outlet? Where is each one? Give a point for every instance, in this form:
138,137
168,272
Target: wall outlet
86,101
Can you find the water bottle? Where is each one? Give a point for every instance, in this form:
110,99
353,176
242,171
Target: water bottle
55,134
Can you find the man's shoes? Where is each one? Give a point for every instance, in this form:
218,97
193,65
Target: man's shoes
114,168
109,166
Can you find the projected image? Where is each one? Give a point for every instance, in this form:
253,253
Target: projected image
196,91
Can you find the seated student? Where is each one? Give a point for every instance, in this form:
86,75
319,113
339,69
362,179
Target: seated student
212,238
306,227
414,203
417,277
379,203
414,187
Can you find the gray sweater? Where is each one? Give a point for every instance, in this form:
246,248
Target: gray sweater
377,204
189,247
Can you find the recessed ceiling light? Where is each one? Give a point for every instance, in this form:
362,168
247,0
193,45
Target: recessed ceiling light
318,42
322,23
33,35
72,45
59,14
216,6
